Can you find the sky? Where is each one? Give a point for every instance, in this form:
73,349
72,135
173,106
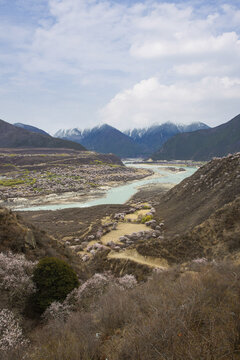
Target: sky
128,63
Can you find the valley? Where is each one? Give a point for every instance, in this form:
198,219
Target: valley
51,177
175,237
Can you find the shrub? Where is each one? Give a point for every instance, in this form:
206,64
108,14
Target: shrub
74,339
146,218
54,279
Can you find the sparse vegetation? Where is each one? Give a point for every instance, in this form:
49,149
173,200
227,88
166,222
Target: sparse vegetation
146,218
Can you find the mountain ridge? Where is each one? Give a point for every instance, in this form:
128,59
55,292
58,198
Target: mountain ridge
15,137
202,144
31,128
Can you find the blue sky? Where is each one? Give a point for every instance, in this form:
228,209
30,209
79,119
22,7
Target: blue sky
78,63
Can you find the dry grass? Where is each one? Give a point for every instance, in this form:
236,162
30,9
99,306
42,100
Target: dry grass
174,316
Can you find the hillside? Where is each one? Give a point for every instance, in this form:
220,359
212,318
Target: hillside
31,128
104,139
19,236
155,136
14,137
202,144
193,200
201,215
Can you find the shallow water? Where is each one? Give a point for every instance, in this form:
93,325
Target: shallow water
121,194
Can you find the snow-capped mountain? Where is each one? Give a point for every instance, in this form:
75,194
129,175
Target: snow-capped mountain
131,143
155,136
103,138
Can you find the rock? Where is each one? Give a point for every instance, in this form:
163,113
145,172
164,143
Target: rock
150,222
119,216
131,211
85,258
91,237
123,239
117,248
148,235
111,244
114,227
84,244
77,248
129,242
99,234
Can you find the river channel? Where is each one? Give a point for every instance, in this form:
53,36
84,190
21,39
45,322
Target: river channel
121,194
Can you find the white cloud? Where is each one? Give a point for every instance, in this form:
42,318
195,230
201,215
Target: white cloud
212,100
83,53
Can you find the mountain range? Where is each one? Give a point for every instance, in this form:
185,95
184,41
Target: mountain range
202,144
153,137
16,137
130,143
104,139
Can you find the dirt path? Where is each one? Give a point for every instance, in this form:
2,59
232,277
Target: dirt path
123,229
133,255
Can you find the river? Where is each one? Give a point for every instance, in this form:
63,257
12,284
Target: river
121,194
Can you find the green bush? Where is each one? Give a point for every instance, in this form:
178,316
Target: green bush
54,279
146,218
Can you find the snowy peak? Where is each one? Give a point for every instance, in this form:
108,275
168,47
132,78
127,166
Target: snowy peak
131,143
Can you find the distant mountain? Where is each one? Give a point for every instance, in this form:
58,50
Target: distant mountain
154,137
15,137
31,128
104,139
202,144
130,143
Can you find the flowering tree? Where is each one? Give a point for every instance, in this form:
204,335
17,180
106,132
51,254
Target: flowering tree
87,294
16,283
11,336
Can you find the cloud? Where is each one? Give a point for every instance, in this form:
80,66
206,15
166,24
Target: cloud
138,61
212,100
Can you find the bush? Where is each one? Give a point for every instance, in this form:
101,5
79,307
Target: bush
146,218
54,279
74,339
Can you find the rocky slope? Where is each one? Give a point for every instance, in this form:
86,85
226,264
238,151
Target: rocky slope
14,137
19,236
202,144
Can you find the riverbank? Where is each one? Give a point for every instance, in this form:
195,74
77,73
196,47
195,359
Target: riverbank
64,184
